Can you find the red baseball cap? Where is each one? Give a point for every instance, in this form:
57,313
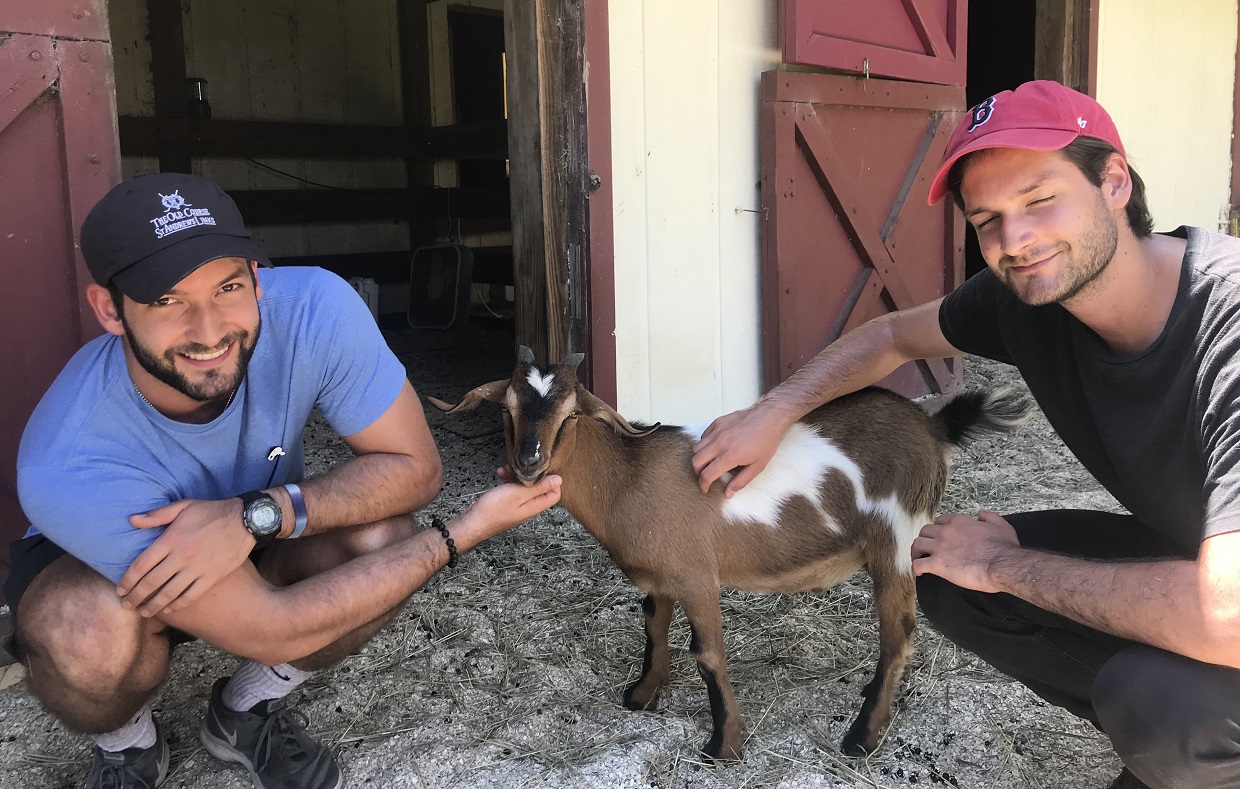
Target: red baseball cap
1038,116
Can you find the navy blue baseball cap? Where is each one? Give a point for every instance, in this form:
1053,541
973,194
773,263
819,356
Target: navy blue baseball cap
150,232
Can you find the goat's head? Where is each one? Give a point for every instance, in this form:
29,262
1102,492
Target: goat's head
541,409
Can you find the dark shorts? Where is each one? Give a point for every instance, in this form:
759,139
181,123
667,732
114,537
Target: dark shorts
28,557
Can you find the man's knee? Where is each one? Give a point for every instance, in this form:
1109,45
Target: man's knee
944,605
1171,719
71,621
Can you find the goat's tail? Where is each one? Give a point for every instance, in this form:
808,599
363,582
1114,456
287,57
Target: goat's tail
970,414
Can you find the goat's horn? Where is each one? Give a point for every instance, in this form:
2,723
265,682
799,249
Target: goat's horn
573,360
525,356
493,392
600,410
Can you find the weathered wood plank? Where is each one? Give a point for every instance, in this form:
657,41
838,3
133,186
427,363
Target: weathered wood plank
562,109
526,173
1061,37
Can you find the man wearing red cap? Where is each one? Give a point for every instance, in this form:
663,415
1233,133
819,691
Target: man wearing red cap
1127,340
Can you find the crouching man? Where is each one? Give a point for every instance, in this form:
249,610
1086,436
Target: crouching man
162,475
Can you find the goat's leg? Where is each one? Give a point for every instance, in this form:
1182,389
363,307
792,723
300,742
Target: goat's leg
895,599
644,693
706,623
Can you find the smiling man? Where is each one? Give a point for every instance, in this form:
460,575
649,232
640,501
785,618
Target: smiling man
162,475
1127,340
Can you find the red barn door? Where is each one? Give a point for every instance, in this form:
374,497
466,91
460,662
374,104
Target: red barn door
58,155
846,167
918,40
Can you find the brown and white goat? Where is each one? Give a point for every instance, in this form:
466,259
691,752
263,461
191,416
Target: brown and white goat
849,487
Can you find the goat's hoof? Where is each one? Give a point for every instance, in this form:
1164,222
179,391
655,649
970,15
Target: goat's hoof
634,700
854,745
717,753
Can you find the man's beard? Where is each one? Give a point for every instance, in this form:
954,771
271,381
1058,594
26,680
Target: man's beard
1082,265
214,384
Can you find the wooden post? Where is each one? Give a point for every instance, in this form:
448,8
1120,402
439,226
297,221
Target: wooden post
166,30
415,86
1062,42
548,173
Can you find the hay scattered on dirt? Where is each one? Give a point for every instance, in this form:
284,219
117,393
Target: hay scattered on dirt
508,670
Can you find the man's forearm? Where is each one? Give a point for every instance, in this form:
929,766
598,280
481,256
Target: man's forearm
361,490
861,358
1160,603
279,624
855,361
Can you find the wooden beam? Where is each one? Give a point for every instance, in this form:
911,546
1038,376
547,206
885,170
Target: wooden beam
146,136
166,32
299,206
481,140
562,103
549,174
526,174
415,101
1062,42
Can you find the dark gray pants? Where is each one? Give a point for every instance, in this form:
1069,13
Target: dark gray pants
1174,721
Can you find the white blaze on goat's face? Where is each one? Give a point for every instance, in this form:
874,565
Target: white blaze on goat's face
540,382
536,415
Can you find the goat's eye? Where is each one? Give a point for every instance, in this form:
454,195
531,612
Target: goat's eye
574,415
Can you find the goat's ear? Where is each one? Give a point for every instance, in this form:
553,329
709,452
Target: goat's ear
572,361
525,356
494,392
596,408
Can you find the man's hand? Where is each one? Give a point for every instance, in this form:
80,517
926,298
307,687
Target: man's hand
962,550
745,439
204,541
506,505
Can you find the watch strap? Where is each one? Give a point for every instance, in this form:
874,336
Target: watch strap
260,540
299,510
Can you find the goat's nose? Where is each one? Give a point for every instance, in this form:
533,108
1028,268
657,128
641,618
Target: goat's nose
530,454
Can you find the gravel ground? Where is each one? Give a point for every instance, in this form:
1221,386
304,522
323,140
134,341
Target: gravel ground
508,670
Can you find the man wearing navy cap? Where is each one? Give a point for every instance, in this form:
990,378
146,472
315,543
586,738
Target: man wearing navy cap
162,475
1127,339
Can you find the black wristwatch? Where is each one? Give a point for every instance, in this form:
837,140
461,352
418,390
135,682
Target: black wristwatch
262,517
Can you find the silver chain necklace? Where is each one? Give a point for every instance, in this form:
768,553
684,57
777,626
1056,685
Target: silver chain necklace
152,405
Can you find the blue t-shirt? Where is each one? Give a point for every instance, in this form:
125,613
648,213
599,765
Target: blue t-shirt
93,453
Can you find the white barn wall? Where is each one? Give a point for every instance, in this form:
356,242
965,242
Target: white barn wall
1166,70
685,169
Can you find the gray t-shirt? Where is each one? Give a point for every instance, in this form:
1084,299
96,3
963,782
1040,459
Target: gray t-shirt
1160,429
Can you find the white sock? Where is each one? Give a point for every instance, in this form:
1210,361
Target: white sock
255,682
138,733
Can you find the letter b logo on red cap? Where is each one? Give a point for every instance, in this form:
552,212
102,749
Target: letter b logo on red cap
982,113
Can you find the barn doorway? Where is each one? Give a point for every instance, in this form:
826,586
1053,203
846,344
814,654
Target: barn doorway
1019,40
371,138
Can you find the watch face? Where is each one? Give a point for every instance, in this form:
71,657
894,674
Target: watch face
264,515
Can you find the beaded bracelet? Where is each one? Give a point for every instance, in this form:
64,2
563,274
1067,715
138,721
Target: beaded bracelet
438,524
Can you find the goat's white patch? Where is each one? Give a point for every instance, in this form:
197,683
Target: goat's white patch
905,527
802,460
540,382
799,465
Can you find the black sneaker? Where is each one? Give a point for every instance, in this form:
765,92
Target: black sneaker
271,742
132,768
1127,780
